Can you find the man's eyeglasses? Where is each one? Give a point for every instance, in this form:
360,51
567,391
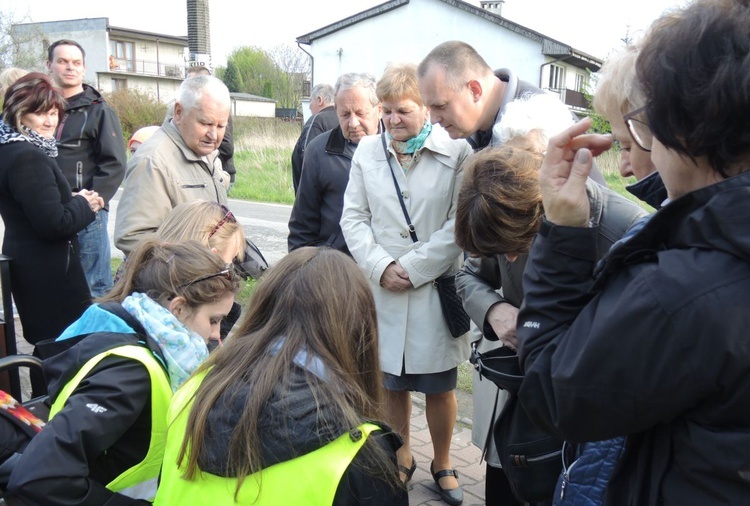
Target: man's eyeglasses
227,273
639,129
228,216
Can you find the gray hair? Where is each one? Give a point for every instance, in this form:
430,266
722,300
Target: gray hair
324,91
194,89
352,80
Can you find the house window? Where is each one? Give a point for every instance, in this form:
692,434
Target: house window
124,54
556,77
119,84
580,83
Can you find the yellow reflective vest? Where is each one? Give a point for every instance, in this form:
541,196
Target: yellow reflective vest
309,480
140,481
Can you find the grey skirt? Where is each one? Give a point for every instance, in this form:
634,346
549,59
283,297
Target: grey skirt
428,383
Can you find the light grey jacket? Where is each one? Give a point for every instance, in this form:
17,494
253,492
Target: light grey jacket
411,324
163,173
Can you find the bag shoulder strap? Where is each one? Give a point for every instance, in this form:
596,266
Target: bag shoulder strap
412,230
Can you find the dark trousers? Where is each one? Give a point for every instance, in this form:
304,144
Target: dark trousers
497,489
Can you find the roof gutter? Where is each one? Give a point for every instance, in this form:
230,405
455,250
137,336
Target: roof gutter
312,63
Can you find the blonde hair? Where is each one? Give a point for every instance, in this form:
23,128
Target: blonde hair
8,77
399,80
618,90
196,221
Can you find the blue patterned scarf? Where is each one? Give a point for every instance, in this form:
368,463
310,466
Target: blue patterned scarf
405,149
183,349
9,134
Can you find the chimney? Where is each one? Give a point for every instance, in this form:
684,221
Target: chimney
199,33
495,7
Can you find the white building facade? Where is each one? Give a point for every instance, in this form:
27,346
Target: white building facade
118,58
406,30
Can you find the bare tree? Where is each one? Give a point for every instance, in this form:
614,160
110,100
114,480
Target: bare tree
20,45
292,68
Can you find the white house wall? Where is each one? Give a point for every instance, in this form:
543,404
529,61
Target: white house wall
91,34
251,108
409,32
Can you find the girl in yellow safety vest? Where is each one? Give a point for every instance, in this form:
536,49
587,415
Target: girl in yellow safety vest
285,412
111,386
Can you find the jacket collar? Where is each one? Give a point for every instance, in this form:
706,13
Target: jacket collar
336,143
437,142
171,130
706,218
85,98
63,365
650,190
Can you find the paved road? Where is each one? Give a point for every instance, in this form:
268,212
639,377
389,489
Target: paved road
264,224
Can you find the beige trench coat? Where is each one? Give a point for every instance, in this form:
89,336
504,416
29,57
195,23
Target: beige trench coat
410,323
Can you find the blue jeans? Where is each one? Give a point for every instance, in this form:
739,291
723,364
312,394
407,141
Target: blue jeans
95,255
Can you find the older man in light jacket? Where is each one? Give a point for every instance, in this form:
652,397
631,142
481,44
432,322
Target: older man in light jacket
178,163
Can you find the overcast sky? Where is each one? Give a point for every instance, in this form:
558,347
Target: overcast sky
592,26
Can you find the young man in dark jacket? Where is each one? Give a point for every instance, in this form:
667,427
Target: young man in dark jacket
91,154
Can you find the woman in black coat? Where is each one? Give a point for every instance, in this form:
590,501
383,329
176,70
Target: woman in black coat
41,215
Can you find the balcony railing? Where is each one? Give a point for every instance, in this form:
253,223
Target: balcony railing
146,68
572,98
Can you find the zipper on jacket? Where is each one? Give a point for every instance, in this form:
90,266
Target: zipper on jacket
202,185
79,176
61,125
67,259
525,460
565,472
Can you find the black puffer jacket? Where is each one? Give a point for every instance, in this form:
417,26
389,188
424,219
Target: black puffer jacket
91,151
295,423
655,348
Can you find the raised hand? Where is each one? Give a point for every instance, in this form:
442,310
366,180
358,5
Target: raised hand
563,175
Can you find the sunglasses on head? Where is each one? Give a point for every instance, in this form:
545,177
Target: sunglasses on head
228,217
227,273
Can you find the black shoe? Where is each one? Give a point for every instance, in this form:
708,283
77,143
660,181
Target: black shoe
408,471
453,496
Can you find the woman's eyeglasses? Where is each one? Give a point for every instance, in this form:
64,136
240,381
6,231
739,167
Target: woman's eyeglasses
228,217
638,129
227,273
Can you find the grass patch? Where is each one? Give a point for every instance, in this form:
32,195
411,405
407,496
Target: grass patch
263,159
609,165
114,264
465,381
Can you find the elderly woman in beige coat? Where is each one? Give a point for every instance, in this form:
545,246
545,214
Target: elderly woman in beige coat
417,352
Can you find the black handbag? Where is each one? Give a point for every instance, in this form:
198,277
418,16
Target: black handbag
531,458
253,264
452,305
453,309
